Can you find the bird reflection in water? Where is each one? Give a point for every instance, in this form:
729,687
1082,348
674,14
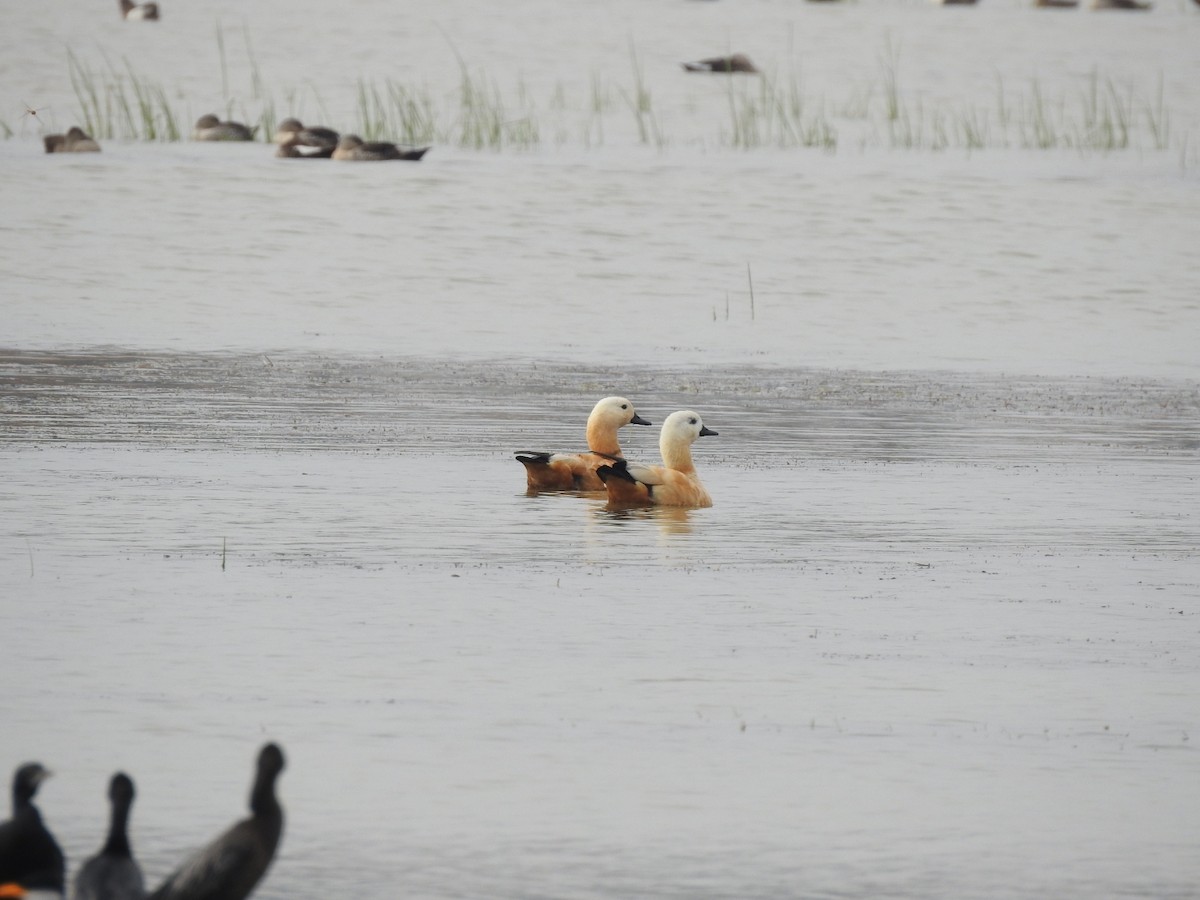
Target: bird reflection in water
670,519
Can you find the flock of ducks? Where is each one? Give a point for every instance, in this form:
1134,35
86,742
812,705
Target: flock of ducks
149,11
602,467
295,140
32,864
299,141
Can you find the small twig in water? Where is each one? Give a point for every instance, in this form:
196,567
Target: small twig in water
222,554
750,279
30,546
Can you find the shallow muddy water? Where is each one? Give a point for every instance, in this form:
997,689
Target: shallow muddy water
936,638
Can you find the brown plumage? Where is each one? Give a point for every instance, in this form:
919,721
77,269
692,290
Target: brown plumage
577,471
738,62
76,140
293,131
675,482
351,147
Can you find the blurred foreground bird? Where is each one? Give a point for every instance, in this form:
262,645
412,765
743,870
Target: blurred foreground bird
231,866
113,874
30,858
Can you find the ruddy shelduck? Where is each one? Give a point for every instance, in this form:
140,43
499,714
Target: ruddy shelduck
675,482
577,471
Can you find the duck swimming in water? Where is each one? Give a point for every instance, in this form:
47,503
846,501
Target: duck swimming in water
131,10
292,131
76,140
351,147
577,471
675,482
210,128
738,62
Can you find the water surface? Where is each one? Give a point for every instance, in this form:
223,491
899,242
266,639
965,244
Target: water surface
924,644
936,637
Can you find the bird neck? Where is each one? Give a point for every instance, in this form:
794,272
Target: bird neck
262,798
602,438
118,835
22,800
677,455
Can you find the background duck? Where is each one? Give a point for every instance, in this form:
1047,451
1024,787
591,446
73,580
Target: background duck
351,147
295,150
738,62
113,874
577,471
231,866
131,10
292,131
76,140
675,482
30,858
210,128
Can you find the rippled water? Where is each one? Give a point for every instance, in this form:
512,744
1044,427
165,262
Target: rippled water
936,637
933,633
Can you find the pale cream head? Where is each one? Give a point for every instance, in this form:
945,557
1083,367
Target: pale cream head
608,416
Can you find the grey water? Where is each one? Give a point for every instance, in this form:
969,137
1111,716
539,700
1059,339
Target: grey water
933,634
937,637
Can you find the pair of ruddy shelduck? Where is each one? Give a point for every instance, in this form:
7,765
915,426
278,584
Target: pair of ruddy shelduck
603,468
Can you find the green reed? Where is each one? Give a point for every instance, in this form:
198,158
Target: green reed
117,103
764,112
221,57
641,104
1100,115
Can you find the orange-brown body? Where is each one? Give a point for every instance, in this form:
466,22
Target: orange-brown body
564,471
577,471
675,483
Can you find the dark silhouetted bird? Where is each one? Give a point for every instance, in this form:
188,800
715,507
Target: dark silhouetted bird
113,874
232,865
30,858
